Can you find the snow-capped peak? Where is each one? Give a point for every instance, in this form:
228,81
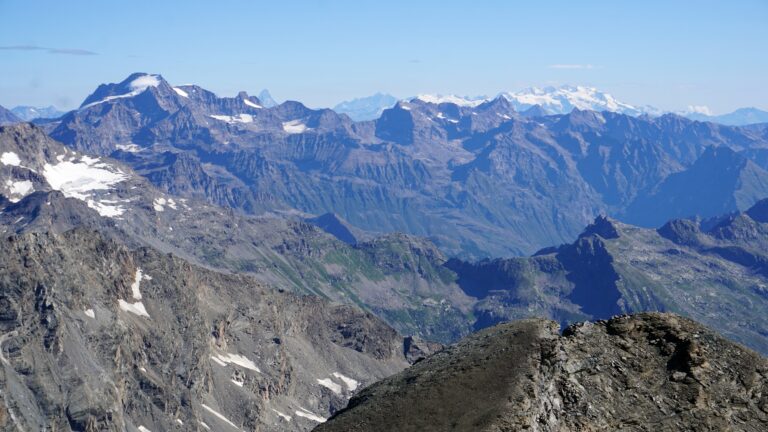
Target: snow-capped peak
134,85
458,100
143,82
563,99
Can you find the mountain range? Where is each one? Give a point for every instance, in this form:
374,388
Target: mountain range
551,100
8,117
366,108
741,116
407,281
29,113
424,167
202,259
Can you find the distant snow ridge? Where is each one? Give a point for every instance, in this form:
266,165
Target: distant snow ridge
562,100
554,100
458,100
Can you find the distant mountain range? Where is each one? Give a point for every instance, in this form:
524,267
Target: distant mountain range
712,270
425,166
8,117
550,100
564,99
366,108
742,116
29,113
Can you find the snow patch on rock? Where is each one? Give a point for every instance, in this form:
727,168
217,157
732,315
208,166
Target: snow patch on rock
20,188
251,104
134,308
349,382
239,118
10,158
219,416
329,384
284,416
237,359
294,127
81,179
301,412
181,92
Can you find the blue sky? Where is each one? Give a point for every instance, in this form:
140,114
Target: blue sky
669,54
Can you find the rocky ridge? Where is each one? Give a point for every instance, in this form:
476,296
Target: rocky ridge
648,372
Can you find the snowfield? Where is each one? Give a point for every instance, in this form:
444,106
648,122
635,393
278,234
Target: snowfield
294,127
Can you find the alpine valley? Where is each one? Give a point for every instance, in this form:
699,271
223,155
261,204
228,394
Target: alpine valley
175,260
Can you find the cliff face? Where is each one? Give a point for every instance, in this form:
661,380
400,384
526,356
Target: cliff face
643,372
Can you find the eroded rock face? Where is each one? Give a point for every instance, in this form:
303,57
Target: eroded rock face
643,372
97,336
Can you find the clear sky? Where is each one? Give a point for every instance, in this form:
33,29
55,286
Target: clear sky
670,54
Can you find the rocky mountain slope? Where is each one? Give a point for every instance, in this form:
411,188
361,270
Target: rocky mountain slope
95,336
49,187
424,167
644,372
710,271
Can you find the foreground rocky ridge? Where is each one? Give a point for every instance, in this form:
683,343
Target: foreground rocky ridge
654,372
94,336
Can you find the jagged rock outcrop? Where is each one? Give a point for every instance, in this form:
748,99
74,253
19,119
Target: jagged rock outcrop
654,372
